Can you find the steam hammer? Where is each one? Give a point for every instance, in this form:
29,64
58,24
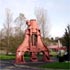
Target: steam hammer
32,44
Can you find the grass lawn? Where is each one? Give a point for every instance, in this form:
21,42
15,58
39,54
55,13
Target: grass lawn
57,65
7,57
10,57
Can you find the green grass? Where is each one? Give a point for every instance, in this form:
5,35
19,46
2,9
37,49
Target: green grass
10,57
57,65
6,57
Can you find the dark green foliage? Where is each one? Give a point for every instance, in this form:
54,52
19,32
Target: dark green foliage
66,39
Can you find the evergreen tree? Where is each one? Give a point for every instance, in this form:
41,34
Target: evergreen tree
66,41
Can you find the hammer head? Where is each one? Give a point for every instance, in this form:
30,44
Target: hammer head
28,22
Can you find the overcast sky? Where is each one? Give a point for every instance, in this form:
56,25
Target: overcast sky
58,12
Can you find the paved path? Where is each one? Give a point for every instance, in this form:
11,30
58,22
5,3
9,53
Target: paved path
9,65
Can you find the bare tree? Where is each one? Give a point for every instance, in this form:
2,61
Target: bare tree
41,16
1,35
20,26
8,28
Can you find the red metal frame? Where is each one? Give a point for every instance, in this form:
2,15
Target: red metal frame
32,44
